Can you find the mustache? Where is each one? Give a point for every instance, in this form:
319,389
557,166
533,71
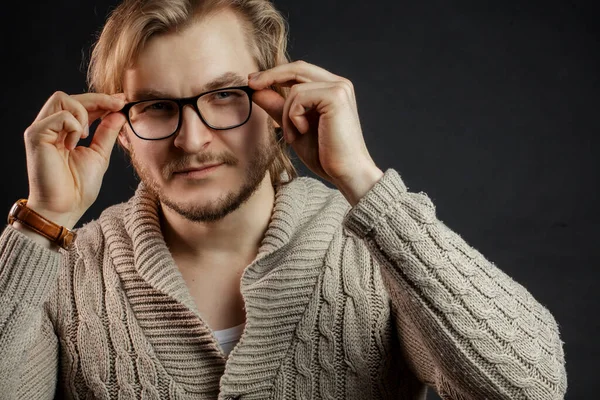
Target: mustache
189,160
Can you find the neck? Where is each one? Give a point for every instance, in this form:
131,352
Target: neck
237,236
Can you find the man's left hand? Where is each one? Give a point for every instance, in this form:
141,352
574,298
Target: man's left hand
320,120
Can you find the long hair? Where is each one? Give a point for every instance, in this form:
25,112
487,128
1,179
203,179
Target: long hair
131,24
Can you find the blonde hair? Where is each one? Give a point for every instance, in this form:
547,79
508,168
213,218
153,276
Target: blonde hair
131,24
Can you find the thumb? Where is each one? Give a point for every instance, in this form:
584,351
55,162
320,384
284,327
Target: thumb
106,134
270,101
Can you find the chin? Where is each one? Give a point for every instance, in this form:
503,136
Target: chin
207,200
198,193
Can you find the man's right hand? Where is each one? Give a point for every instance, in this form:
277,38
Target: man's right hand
65,179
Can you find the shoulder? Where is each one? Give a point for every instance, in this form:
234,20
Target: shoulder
316,196
310,202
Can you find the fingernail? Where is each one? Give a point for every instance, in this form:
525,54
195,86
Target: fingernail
87,130
254,75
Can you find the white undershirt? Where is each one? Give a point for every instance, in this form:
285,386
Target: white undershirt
229,337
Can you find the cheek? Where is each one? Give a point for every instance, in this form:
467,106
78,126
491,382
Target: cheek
149,154
256,130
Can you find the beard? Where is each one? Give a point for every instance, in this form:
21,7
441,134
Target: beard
254,173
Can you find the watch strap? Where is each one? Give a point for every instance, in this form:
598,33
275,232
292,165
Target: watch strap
57,234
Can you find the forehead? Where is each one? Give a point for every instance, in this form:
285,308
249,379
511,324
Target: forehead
181,63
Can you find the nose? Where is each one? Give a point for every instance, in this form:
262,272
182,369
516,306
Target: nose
193,135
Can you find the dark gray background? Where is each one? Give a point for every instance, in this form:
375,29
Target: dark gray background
489,108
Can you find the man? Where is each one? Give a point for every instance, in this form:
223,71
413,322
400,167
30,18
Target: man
225,275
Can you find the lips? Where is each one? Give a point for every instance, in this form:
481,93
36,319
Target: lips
196,169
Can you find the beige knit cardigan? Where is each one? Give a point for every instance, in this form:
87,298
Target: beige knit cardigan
375,302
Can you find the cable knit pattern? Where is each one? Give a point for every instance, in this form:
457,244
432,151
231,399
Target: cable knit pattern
374,302
494,321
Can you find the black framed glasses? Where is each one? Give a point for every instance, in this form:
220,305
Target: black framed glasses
219,109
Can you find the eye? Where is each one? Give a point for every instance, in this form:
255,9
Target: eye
226,95
159,106
223,95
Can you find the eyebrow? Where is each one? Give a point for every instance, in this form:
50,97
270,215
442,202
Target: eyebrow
224,80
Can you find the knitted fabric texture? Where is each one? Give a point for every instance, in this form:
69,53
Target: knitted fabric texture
378,301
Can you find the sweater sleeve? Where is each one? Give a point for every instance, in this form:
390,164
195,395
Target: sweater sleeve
28,344
466,328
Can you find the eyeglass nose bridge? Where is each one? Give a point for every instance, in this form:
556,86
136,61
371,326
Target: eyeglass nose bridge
192,101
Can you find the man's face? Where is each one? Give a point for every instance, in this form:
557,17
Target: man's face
211,52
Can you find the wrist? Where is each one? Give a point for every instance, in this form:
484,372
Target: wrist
66,220
31,222
360,183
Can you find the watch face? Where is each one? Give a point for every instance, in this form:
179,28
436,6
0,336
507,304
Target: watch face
13,212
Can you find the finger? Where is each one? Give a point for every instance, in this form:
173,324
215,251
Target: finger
299,104
270,101
85,107
60,129
286,74
100,101
122,100
101,113
106,134
323,97
120,96
290,132
315,99
99,105
292,128
298,117
60,101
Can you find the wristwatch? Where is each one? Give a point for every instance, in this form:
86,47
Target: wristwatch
60,235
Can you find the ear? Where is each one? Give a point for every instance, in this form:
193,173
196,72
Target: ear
124,140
